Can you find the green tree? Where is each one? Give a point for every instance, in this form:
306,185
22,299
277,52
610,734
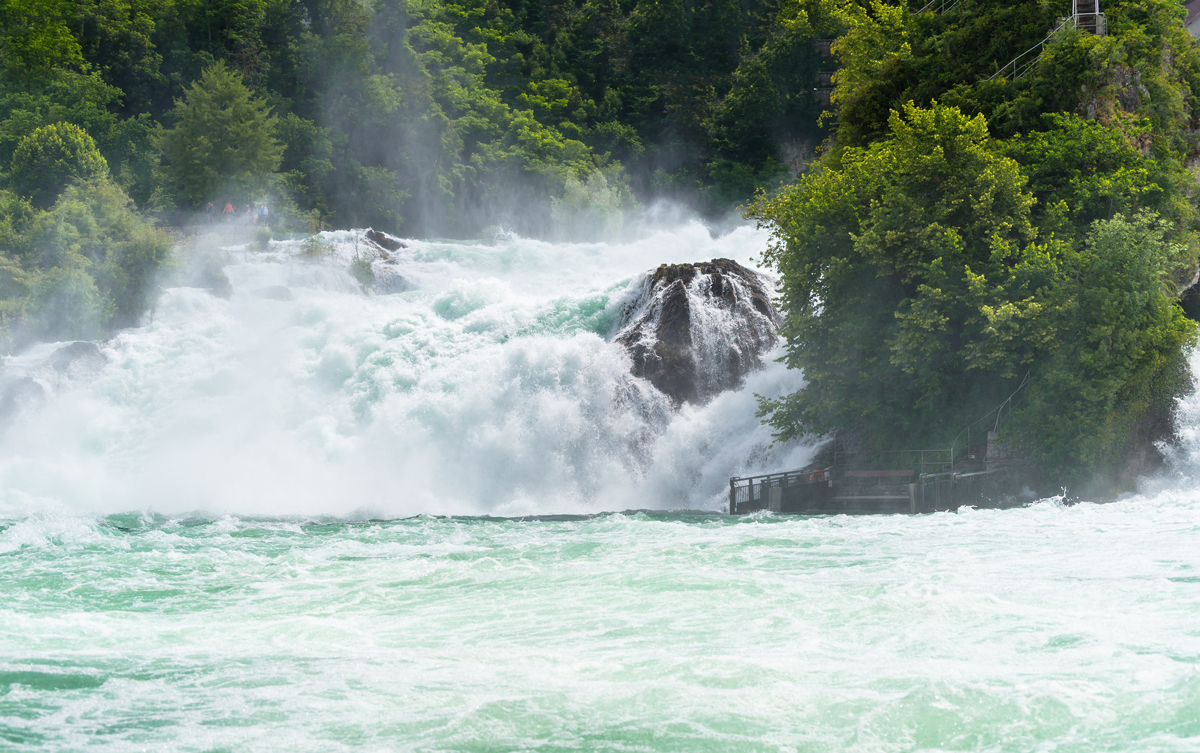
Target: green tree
1083,170
223,139
36,35
51,157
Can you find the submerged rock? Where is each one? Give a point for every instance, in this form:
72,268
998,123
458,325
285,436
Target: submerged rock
212,278
390,281
698,329
275,293
19,393
77,359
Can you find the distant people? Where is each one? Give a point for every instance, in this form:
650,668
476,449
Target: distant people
262,214
228,211
210,213
249,217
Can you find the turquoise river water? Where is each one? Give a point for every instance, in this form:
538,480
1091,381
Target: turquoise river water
392,522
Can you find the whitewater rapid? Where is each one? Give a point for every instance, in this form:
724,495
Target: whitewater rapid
487,385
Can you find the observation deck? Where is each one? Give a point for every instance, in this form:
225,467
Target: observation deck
975,470
834,490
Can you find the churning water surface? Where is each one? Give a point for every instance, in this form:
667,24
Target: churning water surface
209,543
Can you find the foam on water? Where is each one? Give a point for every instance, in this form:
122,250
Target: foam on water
1046,628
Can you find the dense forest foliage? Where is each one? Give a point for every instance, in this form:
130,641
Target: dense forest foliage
426,116
971,236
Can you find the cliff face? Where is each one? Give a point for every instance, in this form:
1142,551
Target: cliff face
698,329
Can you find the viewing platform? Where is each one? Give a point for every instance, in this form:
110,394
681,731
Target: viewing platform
907,481
816,491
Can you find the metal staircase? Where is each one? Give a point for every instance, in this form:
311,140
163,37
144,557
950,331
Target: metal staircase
939,6
1085,16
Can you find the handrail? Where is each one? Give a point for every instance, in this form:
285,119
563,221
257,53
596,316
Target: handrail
997,410
960,474
1037,46
921,455
1099,27
781,475
943,9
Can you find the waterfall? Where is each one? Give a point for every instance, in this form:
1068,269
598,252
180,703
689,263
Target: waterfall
440,377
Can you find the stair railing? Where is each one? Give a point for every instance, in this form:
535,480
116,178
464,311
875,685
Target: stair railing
998,411
939,6
1019,66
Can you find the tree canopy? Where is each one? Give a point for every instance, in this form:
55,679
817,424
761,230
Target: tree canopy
439,117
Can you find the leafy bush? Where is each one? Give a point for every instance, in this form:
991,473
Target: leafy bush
51,157
313,248
360,266
262,238
79,270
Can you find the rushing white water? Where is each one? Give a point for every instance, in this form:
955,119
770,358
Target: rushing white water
276,618
491,387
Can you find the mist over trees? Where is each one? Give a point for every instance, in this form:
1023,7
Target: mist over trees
967,237
436,117
449,117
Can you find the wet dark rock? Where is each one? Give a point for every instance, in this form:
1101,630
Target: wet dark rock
699,329
383,240
1189,299
276,293
77,359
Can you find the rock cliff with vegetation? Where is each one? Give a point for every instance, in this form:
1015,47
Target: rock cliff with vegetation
966,233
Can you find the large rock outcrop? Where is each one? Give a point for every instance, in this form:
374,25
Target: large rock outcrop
698,329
